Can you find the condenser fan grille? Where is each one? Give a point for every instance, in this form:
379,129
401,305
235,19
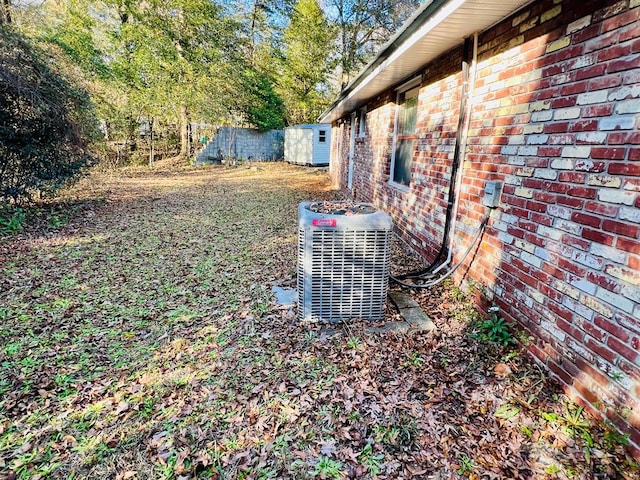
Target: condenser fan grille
343,268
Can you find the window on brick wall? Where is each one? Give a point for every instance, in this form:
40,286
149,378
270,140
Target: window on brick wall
362,122
405,135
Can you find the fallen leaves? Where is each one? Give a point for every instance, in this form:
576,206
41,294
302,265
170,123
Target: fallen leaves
142,341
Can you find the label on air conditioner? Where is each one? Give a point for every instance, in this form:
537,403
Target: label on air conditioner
324,222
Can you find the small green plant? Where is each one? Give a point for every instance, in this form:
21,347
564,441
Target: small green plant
414,360
370,460
494,329
612,438
328,468
506,411
552,469
354,343
11,220
466,465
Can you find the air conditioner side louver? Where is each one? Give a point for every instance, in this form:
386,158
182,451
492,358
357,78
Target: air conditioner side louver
343,261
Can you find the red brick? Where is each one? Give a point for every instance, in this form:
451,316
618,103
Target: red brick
608,81
528,226
536,183
536,207
527,279
612,53
570,329
601,208
545,151
595,375
609,153
620,21
585,219
541,219
574,88
559,187
623,349
570,266
516,232
537,162
612,328
563,102
634,154
603,281
576,242
592,71
557,127
565,377
585,392
600,350
583,126
560,310
586,33
572,177
541,276
550,292
597,236
632,246
624,169
603,110
583,192
626,63
620,228
592,330
621,138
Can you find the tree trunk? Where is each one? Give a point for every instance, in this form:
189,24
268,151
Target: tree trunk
185,132
151,152
6,12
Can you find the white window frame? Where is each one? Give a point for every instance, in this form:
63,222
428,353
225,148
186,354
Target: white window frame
322,138
362,122
405,87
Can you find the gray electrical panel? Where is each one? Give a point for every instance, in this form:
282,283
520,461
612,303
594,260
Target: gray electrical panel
492,192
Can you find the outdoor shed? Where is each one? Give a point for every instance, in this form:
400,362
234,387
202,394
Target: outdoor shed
307,144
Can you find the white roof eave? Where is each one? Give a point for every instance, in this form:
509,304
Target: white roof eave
444,29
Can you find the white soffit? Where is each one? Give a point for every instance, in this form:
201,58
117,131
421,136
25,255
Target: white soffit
444,29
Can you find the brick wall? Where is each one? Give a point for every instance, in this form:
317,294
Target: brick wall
555,116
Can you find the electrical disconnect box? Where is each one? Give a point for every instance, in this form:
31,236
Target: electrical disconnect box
492,191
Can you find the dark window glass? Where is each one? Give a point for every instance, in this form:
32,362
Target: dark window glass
405,136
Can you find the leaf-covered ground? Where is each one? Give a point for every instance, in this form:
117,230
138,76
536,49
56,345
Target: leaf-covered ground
140,340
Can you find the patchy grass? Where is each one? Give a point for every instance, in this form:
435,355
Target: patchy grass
139,339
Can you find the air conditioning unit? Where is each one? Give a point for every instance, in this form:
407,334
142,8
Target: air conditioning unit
343,261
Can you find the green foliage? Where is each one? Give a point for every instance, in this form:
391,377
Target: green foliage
308,49
262,107
494,329
46,122
11,220
507,411
466,465
372,461
327,468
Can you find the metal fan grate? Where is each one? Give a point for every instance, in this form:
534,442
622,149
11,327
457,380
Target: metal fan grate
343,265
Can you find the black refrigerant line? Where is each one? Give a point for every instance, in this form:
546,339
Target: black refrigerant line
467,52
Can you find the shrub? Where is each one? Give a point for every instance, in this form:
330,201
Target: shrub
46,123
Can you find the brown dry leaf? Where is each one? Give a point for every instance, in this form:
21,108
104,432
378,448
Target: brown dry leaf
502,370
